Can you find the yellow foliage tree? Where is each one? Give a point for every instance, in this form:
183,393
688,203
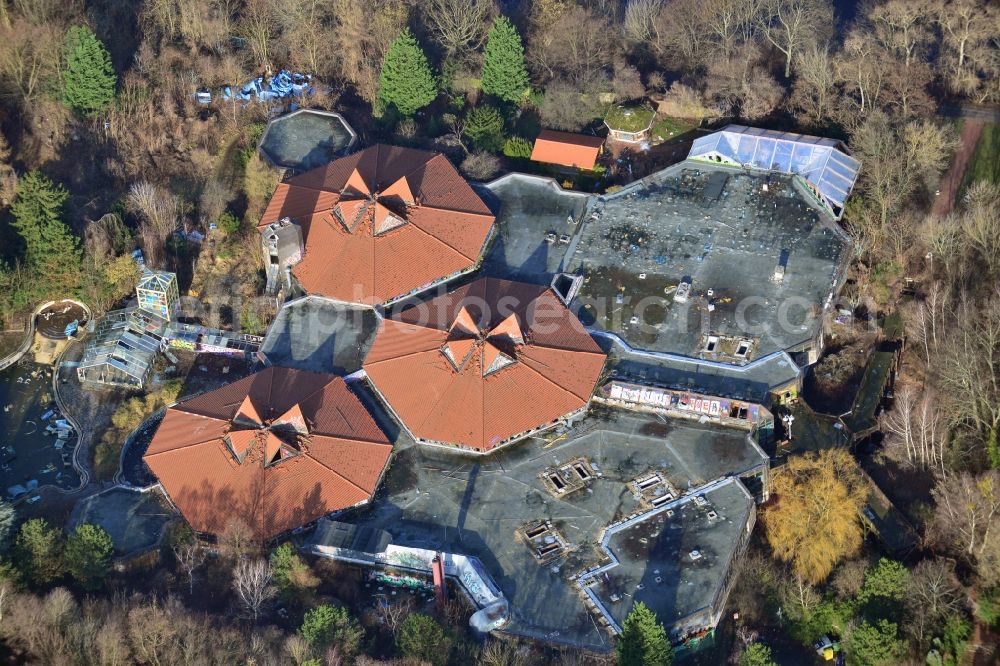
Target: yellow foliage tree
812,520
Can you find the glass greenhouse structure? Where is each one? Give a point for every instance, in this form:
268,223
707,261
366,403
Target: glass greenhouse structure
157,293
123,349
826,165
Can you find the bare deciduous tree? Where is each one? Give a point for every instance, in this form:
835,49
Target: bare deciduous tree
238,539
258,26
903,26
460,26
969,368
965,26
917,428
363,34
981,223
252,582
966,513
639,19
932,594
503,652
189,557
307,25
898,160
392,615
578,46
29,60
793,25
160,212
678,33
814,91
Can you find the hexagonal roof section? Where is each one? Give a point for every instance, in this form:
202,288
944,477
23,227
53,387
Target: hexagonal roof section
277,450
382,223
306,139
485,364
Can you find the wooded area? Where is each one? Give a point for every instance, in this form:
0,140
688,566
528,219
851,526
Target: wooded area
104,148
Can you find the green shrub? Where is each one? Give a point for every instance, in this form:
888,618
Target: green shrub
326,626
293,575
517,148
229,223
988,606
874,644
422,638
251,138
757,654
484,127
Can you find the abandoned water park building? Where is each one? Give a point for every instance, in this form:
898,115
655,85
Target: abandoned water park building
577,389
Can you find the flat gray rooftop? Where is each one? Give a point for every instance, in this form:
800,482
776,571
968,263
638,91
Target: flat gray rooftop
321,335
527,208
718,228
655,561
446,500
752,382
306,139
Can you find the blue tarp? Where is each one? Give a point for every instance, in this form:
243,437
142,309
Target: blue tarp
281,85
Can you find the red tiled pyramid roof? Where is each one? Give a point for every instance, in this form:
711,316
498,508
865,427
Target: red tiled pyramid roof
382,222
483,363
314,449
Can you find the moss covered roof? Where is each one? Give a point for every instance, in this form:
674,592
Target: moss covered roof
629,118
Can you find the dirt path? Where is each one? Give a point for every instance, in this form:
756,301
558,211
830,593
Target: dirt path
945,202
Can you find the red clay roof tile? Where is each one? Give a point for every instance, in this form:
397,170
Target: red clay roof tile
507,372
427,223
573,150
332,459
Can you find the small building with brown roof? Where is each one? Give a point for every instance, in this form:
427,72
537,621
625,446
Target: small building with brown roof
578,151
378,225
484,365
275,450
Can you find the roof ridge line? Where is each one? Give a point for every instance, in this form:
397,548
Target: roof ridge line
566,349
560,387
451,383
407,354
436,155
460,211
181,407
422,164
330,469
353,438
439,240
299,402
186,446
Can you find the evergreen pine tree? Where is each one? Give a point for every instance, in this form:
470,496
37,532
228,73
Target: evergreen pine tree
504,73
38,552
89,79
88,555
51,251
643,641
406,80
